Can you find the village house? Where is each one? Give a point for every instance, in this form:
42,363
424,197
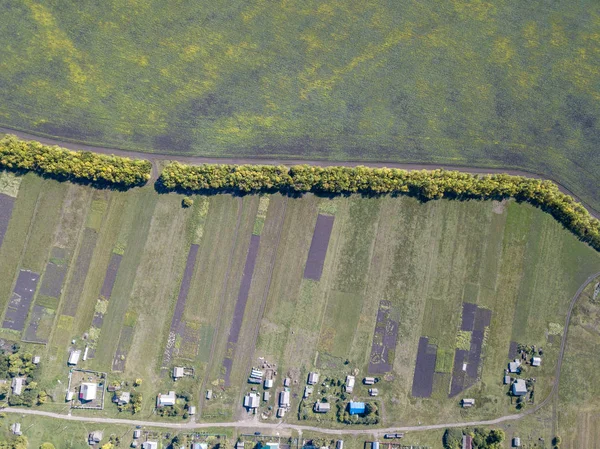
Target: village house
17,385
251,401
322,407
356,408
519,388
313,378
514,367
74,357
178,372
536,361
349,384
95,437
284,399
164,400
87,391
122,398
280,412
16,429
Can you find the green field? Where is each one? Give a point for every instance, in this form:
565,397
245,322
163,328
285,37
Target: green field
503,83
425,259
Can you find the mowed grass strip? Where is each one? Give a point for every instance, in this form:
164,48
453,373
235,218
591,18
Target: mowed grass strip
339,323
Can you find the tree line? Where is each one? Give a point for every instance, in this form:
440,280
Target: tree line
423,184
79,166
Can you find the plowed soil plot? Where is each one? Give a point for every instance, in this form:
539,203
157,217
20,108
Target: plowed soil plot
424,369
122,349
466,364
240,305
54,275
513,350
6,207
20,300
107,286
176,324
318,248
40,325
384,341
82,265
468,316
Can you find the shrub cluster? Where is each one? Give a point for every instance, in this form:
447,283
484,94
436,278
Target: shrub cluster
424,184
78,166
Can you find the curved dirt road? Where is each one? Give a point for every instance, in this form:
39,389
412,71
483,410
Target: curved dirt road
158,157
283,426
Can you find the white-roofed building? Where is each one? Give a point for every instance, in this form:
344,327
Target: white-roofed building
536,361
350,384
74,357
468,402
322,407
178,372
87,391
251,400
268,383
514,367
150,445
284,399
16,429
313,378
164,400
519,388
17,385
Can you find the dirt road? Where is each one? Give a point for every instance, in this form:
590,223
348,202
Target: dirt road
155,158
255,424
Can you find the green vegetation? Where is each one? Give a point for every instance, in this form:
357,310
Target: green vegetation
504,83
78,166
482,438
423,184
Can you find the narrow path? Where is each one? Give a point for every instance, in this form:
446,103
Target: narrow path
156,158
261,425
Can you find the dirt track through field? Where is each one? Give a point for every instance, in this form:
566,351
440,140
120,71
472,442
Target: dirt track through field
157,157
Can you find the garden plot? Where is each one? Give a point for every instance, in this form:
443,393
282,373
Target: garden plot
177,324
422,386
384,341
20,300
240,305
40,325
318,247
6,207
467,362
125,340
82,266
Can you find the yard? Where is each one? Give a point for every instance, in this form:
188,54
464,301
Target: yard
349,285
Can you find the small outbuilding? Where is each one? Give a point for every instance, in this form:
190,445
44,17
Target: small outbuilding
178,372
287,382
192,410
209,394
339,444
150,445
468,402
74,357
36,359
308,390
369,380
16,429
284,399
514,367
122,398
350,384
536,361
373,392
268,383
136,434
313,378
516,442
280,412
95,437
266,396
507,379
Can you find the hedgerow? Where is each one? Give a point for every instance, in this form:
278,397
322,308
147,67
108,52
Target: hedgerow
79,166
424,184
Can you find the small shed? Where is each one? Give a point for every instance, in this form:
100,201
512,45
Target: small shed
16,429
209,395
268,383
350,384
313,378
95,437
266,396
284,399
287,382
369,380
150,445
514,367
356,408
122,398
536,361
178,372
339,444
192,410
308,390
506,379
70,395
74,357
373,392
516,442
468,402
136,434
36,359
280,412
239,445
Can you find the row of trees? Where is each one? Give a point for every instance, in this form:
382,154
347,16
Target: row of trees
79,166
423,184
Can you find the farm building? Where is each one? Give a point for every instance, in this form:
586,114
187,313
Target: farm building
287,382
266,396
268,383
284,399
313,378
516,442
308,390
122,398
514,367
192,410
322,407
369,380
208,395
280,412
17,385
74,357
467,442
519,388
16,429
356,408
251,400
373,392
339,444
87,391
536,361
257,374
70,395
178,372
150,445
468,403
95,437
506,379
163,400
137,434
350,384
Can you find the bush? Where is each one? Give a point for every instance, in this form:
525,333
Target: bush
187,202
423,184
79,166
